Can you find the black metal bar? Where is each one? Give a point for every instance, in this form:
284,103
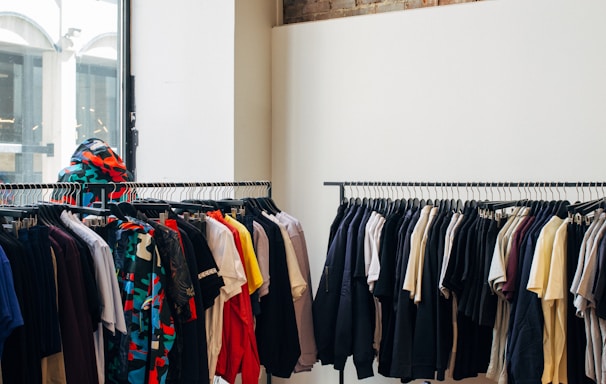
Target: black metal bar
341,379
135,184
500,184
76,187
129,110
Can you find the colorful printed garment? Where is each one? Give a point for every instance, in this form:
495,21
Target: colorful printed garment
141,356
94,161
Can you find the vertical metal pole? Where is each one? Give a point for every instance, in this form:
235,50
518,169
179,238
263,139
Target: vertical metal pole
341,379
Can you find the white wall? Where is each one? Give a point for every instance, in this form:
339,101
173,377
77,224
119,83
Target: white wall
203,89
252,80
487,91
183,60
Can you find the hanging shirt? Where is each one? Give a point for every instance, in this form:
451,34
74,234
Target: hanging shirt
421,257
112,315
328,295
343,343
223,248
303,306
369,238
537,283
53,366
276,326
10,313
185,354
22,365
555,300
77,335
239,348
297,282
207,284
142,278
497,266
455,221
497,277
261,244
412,269
373,265
251,265
585,303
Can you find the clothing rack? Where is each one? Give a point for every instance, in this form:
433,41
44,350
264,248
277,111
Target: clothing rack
448,184
373,188
30,193
213,189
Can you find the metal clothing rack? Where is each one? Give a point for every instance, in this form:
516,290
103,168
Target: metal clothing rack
22,192
30,193
159,189
449,184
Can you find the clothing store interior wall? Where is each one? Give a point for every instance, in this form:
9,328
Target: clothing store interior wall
485,91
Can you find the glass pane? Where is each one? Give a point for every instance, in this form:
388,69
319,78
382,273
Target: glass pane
60,83
97,105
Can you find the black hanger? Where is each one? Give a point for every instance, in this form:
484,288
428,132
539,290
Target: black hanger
250,202
586,207
115,210
50,213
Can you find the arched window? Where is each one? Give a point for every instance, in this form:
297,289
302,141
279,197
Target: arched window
60,83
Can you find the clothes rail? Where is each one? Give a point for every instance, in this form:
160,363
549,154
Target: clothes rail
32,193
523,185
29,193
262,183
449,184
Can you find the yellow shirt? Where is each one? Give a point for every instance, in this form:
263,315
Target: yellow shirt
537,283
251,265
556,296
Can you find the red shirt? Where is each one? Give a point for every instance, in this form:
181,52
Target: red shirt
239,348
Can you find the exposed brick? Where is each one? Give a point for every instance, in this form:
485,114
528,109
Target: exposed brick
293,13
342,4
328,15
390,7
412,4
306,10
358,11
448,2
317,6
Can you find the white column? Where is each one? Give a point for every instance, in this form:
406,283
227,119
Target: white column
58,110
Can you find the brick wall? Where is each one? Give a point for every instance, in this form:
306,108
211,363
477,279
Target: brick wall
296,11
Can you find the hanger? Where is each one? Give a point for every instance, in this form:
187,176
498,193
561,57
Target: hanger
150,209
586,207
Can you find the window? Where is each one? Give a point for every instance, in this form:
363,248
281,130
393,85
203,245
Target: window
60,83
96,108
20,117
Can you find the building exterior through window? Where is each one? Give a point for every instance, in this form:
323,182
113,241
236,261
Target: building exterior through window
60,83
